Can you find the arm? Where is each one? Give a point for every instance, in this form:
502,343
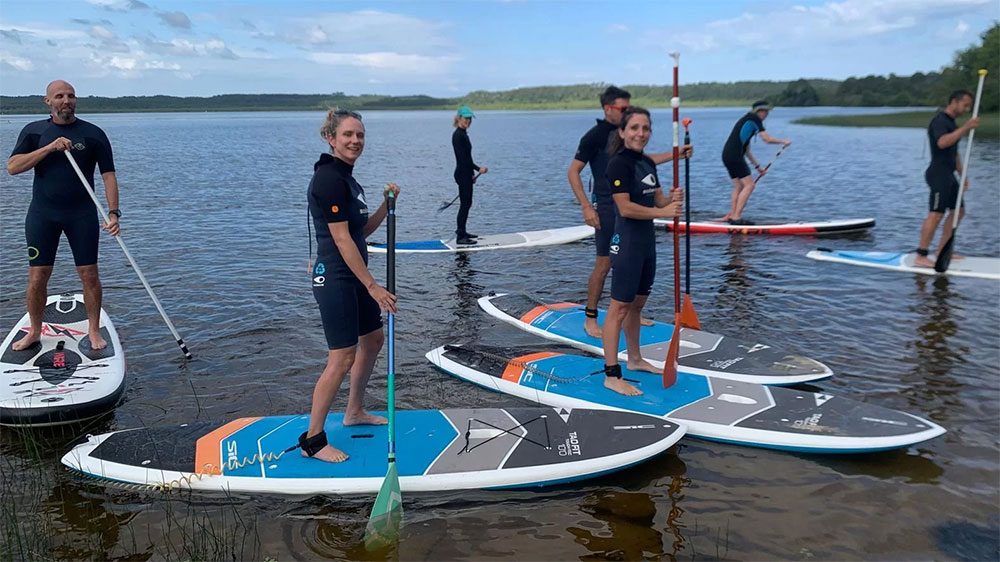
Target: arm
749,156
376,218
23,162
573,175
111,194
345,245
660,157
630,210
771,140
946,141
661,200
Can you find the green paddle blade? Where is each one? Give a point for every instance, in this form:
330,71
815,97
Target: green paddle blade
387,513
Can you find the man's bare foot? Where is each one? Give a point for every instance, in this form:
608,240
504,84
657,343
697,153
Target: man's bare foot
364,418
26,342
621,387
642,365
646,321
97,342
592,328
723,218
329,454
922,261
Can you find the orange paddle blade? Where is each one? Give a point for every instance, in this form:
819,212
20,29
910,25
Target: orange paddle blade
689,318
673,352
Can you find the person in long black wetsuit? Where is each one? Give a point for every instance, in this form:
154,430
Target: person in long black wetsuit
465,171
350,300
639,198
59,204
599,209
944,134
736,149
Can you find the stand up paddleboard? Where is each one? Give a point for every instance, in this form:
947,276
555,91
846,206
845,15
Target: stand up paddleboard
983,268
61,379
492,242
702,353
436,450
711,408
790,228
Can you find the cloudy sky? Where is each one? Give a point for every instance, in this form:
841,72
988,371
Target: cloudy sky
145,47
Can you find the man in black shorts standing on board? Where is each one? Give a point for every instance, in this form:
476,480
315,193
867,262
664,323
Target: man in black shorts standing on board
599,209
944,135
59,204
735,153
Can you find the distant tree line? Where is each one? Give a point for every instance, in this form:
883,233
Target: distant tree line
920,89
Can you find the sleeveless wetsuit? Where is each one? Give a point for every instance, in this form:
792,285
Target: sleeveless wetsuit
345,306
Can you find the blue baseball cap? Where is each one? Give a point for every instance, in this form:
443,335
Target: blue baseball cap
464,111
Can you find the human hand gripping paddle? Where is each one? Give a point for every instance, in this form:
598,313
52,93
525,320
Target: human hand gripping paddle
387,513
944,256
135,267
452,202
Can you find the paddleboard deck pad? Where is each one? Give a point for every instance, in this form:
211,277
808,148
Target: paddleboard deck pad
700,352
492,242
983,268
61,379
435,450
790,228
711,408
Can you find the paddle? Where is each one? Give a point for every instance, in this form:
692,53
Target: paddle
689,318
387,513
452,202
768,167
944,256
670,365
121,242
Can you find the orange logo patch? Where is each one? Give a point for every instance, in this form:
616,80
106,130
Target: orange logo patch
335,208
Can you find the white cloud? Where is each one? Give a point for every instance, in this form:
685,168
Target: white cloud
961,27
119,5
101,32
16,62
386,61
367,30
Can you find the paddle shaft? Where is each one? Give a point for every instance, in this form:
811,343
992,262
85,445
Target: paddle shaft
675,103
135,266
768,167
391,282
687,211
968,151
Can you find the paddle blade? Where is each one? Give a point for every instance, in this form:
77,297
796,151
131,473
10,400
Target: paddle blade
673,352
689,318
944,256
387,513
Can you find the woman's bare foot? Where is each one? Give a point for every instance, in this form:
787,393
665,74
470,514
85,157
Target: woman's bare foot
642,365
97,342
329,454
364,418
621,387
592,328
922,261
26,342
723,218
646,321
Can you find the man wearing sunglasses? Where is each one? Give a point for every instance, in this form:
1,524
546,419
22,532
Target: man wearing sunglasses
599,209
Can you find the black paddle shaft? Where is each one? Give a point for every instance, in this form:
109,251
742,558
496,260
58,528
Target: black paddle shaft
391,242
687,215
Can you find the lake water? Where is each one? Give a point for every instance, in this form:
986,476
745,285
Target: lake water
214,213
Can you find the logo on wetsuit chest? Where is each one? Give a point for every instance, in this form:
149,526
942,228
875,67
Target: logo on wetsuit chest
79,146
318,275
615,244
363,210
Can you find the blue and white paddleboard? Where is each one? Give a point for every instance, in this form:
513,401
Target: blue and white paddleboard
61,379
435,450
492,242
701,352
983,268
711,408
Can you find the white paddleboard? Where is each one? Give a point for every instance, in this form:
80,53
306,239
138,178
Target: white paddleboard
492,242
60,379
983,268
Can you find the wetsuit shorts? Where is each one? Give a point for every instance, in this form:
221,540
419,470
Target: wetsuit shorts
737,167
602,236
42,229
347,310
944,191
632,272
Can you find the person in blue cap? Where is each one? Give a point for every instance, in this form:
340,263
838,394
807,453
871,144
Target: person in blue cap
737,151
465,172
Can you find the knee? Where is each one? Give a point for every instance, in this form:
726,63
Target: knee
39,276
373,341
603,266
340,361
89,276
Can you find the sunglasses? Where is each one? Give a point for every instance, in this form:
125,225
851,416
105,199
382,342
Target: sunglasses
347,113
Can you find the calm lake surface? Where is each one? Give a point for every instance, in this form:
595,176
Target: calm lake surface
215,215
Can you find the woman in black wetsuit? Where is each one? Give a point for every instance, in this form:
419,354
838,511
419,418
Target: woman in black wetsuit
637,194
350,300
465,171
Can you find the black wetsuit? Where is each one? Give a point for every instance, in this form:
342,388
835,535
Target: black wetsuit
633,246
735,149
465,169
940,174
345,306
593,149
58,202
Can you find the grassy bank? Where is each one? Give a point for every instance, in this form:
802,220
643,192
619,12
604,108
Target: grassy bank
988,128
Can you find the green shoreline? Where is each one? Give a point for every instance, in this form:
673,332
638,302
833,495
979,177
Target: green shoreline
989,122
